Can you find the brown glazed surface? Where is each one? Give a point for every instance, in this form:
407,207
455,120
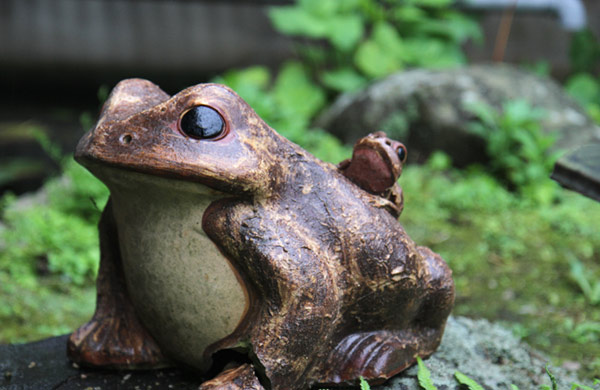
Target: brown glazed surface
335,288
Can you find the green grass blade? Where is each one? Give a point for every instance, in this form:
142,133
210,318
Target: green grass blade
424,376
466,381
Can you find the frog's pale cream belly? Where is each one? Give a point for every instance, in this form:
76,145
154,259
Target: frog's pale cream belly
184,290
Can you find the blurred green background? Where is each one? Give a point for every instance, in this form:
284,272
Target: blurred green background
523,250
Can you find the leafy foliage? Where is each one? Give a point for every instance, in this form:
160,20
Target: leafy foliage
519,150
584,52
589,285
582,84
585,88
347,43
48,247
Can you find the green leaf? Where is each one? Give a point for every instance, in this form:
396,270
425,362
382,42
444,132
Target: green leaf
584,51
252,85
295,93
388,39
433,53
364,385
466,381
324,8
424,376
453,27
345,31
409,14
382,54
520,111
584,88
255,76
514,387
297,21
484,112
343,79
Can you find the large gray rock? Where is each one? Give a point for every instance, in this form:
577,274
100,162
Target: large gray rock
426,109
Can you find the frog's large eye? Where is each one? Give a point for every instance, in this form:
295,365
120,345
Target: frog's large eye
402,153
202,122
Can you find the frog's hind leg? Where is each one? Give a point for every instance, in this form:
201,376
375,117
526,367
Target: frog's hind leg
114,337
378,355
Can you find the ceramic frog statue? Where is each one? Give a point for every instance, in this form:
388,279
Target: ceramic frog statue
221,235
375,166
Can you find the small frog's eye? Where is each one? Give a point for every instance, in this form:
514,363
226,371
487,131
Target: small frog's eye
202,122
402,153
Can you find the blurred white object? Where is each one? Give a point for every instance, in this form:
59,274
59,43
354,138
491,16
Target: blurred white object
572,13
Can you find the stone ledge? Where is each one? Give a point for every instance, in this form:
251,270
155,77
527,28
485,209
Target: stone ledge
486,352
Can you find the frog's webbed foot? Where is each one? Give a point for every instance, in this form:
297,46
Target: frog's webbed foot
239,378
114,337
114,341
376,356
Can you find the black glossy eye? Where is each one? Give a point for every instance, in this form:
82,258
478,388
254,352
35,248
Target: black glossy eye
402,154
202,122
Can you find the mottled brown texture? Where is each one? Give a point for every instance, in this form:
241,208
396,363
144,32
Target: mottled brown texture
336,288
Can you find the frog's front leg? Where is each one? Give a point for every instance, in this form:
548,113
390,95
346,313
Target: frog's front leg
114,337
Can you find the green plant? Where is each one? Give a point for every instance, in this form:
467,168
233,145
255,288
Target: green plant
519,151
424,376
348,43
584,52
58,236
582,85
589,285
585,88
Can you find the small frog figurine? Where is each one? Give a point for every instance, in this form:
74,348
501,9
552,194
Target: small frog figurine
375,166
222,238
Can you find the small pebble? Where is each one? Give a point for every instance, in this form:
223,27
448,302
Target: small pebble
31,365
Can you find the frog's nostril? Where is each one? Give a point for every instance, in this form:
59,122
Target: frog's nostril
126,139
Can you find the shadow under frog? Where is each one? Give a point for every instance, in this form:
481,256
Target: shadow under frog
222,235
